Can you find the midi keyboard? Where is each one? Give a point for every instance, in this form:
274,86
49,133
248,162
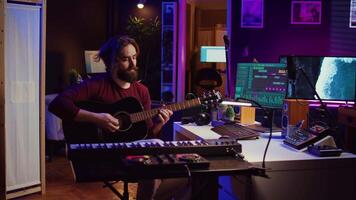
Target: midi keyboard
214,147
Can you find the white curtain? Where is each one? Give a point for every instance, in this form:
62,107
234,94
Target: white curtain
22,68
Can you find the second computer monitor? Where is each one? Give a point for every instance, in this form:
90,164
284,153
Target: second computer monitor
265,83
333,77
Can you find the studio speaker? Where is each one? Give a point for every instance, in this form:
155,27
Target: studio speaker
293,112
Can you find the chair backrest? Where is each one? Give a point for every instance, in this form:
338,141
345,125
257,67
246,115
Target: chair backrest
208,78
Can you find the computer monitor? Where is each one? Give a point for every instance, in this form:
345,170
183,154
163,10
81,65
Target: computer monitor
265,83
212,54
332,77
91,65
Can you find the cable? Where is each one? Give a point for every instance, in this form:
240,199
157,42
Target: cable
188,170
269,116
238,154
269,140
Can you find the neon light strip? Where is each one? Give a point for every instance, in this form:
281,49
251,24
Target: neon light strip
236,103
333,102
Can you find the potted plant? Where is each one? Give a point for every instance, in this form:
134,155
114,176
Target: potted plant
74,77
229,113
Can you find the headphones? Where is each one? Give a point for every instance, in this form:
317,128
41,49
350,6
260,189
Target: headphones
200,119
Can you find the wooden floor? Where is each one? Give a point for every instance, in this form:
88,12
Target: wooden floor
60,184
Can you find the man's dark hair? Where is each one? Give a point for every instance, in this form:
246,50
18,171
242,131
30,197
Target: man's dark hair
112,48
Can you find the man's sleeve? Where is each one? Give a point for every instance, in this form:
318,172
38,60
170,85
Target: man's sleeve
63,106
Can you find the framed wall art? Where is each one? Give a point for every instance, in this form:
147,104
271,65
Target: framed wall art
353,14
252,13
306,12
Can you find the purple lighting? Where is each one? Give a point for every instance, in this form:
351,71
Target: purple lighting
331,104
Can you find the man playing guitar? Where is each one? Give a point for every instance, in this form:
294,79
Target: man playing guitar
120,56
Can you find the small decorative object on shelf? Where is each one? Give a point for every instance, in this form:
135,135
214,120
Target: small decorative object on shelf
229,113
221,111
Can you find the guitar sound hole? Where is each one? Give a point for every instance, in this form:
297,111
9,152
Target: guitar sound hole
124,121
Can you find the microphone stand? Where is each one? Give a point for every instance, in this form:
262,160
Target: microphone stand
323,106
227,45
268,114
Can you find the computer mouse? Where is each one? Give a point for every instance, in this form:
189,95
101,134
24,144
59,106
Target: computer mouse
224,137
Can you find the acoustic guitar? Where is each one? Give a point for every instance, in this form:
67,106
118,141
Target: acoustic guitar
131,116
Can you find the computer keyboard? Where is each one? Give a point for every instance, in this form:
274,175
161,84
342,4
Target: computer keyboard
236,131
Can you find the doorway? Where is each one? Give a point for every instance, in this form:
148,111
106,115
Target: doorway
206,26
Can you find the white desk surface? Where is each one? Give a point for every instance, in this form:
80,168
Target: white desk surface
293,174
253,149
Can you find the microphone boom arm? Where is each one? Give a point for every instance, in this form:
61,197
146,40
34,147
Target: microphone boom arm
322,104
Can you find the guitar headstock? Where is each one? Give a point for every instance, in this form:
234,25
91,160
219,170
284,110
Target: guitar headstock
211,97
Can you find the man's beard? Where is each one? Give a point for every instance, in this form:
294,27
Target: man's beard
129,75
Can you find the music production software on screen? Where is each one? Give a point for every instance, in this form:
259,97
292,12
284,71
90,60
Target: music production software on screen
265,83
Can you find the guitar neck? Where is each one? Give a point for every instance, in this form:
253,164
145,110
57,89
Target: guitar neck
140,116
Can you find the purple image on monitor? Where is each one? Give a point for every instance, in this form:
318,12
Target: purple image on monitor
252,14
306,12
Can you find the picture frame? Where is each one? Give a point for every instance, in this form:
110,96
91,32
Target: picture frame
252,13
306,12
352,14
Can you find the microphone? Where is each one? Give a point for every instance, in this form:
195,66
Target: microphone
291,69
226,41
227,44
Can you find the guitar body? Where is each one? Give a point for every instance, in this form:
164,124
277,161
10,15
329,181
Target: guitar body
83,132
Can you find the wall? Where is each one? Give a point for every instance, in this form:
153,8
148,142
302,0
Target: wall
279,37
72,27
77,25
149,60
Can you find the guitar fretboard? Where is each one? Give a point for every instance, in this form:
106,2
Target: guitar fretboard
140,116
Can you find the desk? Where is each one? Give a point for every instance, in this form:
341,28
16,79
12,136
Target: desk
293,174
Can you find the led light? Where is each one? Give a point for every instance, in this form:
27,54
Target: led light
236,103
